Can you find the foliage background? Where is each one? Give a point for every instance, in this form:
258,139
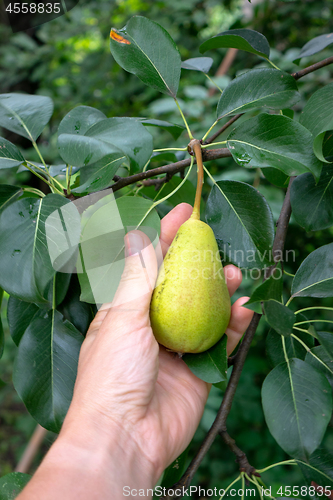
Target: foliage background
69,60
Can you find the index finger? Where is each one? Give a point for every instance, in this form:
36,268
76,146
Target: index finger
172,222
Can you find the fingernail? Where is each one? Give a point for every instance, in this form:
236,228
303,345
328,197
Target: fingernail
134,244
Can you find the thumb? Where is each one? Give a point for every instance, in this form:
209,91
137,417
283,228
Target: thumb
139,276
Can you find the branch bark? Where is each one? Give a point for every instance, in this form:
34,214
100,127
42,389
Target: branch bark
314,67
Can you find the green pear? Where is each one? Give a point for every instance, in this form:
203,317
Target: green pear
190,306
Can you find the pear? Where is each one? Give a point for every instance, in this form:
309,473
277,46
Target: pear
190,307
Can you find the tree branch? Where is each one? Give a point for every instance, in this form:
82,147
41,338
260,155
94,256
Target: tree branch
312,68
219,425
222,129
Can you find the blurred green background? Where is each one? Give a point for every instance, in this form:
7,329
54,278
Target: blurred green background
69,60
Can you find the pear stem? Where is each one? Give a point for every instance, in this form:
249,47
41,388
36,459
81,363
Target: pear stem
195,147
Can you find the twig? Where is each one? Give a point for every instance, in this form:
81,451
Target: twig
31,450
222,129
241,458
312,68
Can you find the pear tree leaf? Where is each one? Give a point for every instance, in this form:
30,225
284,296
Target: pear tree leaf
25,265
174,472
26,115
276,177
79,120
242,39
45,368
270,289
8,194
19,315
99,175
118,137
202,64
211,365
319,468
12,484
297,394
317,117
147,50
264,87
314,277
326,340
294,348
274,140
102,258
279,317
174,129
10,155
245,237
314,46
312,203
325,365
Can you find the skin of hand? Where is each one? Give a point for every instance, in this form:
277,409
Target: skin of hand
132,397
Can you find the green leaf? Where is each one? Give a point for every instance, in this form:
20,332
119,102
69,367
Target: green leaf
19,315
276,177
118,137
172,128
270,289
314,46
25,266
45,368
99,175
267,140
10,155
314,277
79,313
102,244
212,365
174,472
8,194
242,39
2,334
147,50
312,203
79,120
245,237
26,115
202,64
317,116
293,347
279,317
319,468
264,87
297,404
326,340
12,484
323,355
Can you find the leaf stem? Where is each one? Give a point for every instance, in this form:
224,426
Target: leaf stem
209,130
285,462
34,143
302,330
230,485
313,321
53,189
68,178
184,120
213,144
214,83
270,62
307,348
34,190
310,308
170,149
288,302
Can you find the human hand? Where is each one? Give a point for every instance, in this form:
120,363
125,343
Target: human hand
126,380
